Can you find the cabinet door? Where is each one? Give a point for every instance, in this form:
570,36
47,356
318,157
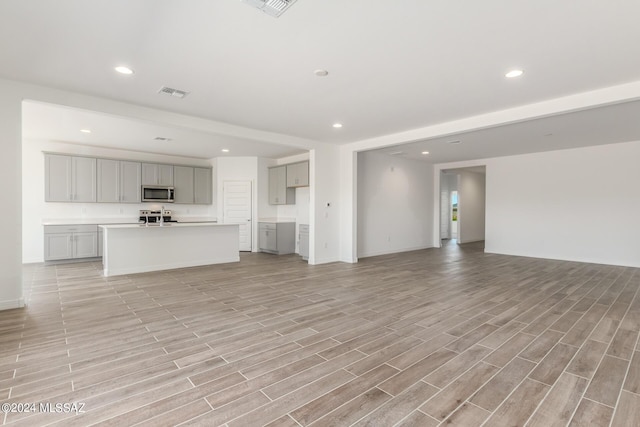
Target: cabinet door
278,194
183,184
149,174
202,186
57,179
83,179
58,246
85,245
268,238
302,179
108,177
273,186
165,175
130,182
298,174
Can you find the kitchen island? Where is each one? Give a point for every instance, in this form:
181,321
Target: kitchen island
140,248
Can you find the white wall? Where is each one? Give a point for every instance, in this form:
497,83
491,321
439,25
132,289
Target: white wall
580,205
324,205
35,210
11,176
395,204
471,207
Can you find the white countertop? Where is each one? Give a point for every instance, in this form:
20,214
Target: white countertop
88,221
166,225
131,221
277,220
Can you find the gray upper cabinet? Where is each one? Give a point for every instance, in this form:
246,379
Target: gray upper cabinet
69,178
183,183
157,174
118,181
298,174
202,183
279,194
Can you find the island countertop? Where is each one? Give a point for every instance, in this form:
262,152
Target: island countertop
165,225
140,248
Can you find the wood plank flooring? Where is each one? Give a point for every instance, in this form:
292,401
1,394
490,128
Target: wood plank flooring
447,336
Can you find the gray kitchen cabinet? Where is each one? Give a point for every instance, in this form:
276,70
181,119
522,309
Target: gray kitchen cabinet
183,184
157,174
277,237
100,240
202,186
69,178
70,242
303,238
298,174
118,181
279,193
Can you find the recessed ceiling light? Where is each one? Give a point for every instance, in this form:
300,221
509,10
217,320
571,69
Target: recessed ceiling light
321,73
425,152
514,73
337,125
124,70
85,130
225,150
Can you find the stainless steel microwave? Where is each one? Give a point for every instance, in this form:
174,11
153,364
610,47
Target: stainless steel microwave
158,193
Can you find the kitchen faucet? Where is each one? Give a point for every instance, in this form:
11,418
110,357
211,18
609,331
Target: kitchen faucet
162,215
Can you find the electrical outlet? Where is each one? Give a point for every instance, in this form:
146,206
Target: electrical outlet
326,245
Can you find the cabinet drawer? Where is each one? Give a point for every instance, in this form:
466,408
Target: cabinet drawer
267,226
81,228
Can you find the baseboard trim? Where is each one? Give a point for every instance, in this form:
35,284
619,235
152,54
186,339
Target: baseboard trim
395,251
12,304
325,261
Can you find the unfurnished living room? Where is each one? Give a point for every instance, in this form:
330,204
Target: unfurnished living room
249,213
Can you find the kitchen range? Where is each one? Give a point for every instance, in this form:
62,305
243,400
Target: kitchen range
156,216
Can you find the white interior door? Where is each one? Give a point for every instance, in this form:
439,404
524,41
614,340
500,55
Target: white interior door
237,209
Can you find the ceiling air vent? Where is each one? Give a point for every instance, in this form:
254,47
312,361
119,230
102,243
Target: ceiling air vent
173,92
396,153
161,138
274,8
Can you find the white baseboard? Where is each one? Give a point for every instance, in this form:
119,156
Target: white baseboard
394,251
325,261
11,304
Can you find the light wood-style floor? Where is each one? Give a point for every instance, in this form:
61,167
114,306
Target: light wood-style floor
450,337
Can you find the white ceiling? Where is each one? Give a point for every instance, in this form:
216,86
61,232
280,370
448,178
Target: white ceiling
393,66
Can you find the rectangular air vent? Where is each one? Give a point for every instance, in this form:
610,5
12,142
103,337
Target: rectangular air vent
273,8
396,153
173,92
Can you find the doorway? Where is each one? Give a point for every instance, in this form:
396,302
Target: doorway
454,214
237,209
462,204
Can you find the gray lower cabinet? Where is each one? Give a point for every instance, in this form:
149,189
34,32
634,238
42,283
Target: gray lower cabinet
303,238
118,181
69,178
279,193
70,242
277,237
